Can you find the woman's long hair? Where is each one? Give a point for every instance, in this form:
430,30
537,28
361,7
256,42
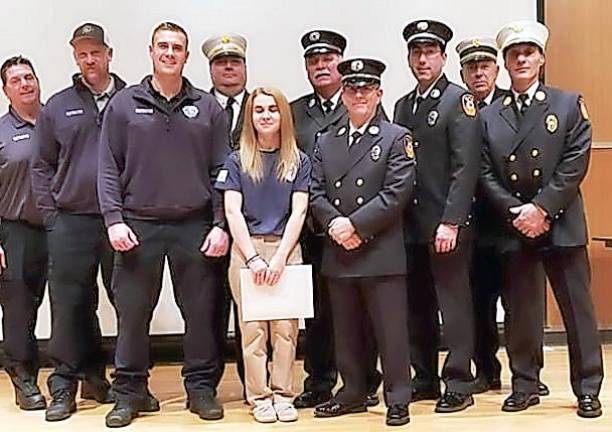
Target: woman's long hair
250,156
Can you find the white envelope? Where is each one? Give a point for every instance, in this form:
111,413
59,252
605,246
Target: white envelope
290,298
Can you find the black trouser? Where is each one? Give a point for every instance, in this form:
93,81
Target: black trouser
486,280
319,361
226,305
137,282
383,301
440,282
523,295
22,286
78,246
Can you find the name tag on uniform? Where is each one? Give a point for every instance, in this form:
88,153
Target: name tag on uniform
143,110
21,137
74,112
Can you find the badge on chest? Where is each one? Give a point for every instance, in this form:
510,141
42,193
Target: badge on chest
375,152
432,118
552,123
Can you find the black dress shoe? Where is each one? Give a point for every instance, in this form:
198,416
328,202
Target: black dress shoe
372,399
333,408
453,402
398,415
424,394
122,414
519,401
27,394
309,399
98,389
205,406
543,389
150,404
62,406
589,406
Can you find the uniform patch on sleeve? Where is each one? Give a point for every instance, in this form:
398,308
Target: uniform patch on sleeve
583,108
408,148
222,176
469,108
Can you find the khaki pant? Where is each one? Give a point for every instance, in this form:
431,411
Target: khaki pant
255,335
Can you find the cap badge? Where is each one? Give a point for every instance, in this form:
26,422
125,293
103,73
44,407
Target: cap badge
87,28
435,93
422,26
375,152
552,123
432,118
476,42
225,39
540,95
516,29
191,111
469,108
314,36
374,130
356,65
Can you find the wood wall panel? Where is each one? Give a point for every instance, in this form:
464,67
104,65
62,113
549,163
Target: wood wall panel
579,55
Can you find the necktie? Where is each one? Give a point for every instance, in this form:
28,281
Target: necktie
481,104
355,137
523,97
419,99
327,106
229,110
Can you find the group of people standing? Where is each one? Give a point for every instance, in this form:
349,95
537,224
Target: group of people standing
466,194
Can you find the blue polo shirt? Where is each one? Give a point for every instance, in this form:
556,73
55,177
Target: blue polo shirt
266,205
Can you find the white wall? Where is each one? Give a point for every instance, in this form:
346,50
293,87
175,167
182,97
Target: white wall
41,29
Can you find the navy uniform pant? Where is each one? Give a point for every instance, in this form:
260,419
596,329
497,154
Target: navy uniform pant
22,287
78,247
486,278
381,302
137,280
319,359
441,282
569,274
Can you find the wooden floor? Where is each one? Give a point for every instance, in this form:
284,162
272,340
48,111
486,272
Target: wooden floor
556,413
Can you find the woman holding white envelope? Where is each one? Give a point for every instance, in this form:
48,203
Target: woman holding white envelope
266,198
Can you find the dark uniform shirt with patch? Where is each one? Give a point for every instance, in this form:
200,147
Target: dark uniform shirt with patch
16,198
266,204
65,158
159,159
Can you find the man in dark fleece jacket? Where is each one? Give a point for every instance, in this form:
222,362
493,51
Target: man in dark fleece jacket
163,142
64,166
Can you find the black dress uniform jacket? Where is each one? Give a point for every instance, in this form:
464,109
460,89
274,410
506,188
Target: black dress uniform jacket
515,171
310,120
370,182
446,143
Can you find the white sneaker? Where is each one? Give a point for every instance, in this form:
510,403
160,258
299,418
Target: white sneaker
264,413
285,411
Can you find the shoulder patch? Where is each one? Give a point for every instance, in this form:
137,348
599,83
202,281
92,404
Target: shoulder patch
408,148
469,108
583,108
